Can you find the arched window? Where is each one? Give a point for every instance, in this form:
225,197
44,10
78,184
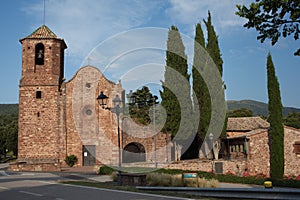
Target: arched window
39,54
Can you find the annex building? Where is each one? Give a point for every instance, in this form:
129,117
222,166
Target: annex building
58,118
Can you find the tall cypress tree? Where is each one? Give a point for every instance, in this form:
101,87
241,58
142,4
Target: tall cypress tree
212,45
276,132
213,49
176,100
201,93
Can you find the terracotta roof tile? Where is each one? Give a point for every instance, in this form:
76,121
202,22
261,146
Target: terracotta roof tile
42,32
246,124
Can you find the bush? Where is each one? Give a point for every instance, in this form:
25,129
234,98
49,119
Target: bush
71,160
159,179
105,170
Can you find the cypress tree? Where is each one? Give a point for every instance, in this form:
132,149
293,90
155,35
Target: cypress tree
175,92
201,93
212,45
276,131
213,50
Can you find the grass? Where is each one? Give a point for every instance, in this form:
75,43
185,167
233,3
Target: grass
227,178
175,180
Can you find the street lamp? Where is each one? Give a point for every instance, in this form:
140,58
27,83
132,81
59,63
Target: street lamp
102,100
154,102
211,138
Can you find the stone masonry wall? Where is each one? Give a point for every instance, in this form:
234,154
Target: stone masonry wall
39,125
259,154
292,160
88,123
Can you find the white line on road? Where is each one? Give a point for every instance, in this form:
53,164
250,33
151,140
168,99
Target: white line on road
4,188
31,193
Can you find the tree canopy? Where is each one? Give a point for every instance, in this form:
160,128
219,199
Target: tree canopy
139,111
243,112
273,19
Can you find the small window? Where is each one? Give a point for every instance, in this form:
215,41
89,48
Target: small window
38,114
38,94
39,54
297,148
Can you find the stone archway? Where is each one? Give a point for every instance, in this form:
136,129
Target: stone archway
134,152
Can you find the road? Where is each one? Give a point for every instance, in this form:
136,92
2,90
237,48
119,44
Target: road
36,186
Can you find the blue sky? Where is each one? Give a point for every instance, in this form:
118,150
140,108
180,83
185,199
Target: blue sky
93,26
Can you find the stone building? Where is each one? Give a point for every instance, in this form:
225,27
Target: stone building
58,118
247,139
246,150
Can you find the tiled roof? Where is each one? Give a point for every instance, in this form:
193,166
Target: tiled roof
246,134
246,124
42,32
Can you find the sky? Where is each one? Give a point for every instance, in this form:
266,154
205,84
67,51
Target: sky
126,40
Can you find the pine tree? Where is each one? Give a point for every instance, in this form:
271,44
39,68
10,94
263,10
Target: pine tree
276,132
175,94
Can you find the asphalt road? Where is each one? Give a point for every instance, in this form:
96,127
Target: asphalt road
36,186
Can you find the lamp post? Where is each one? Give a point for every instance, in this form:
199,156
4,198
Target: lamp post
211,138
154,128
102,100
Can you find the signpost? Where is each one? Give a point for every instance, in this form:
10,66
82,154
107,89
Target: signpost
190,176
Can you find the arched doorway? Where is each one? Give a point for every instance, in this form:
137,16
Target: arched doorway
134,152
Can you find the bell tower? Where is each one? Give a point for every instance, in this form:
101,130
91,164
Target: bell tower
40,98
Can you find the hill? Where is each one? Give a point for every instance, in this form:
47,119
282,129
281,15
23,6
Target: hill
9,109
258,108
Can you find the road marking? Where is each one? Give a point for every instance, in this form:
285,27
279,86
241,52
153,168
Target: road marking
27,174
48,182
4,188
32,193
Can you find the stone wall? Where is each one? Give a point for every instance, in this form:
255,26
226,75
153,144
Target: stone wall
229,167
23,166
88,123
258,162
292,160
39,125
259,153
144,135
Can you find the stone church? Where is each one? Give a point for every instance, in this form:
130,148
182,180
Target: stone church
58,118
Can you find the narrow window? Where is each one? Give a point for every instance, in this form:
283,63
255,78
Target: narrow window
38,94
297,148
39,54
38,114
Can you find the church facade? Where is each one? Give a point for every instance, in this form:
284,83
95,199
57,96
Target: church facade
58,118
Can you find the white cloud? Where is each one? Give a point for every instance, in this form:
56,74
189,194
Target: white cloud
84,24
190,12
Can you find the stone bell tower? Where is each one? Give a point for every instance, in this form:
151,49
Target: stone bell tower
40,136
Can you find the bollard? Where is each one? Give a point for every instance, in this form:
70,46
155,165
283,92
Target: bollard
268,184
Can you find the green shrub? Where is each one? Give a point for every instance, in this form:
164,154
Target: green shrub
105,170
71,160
